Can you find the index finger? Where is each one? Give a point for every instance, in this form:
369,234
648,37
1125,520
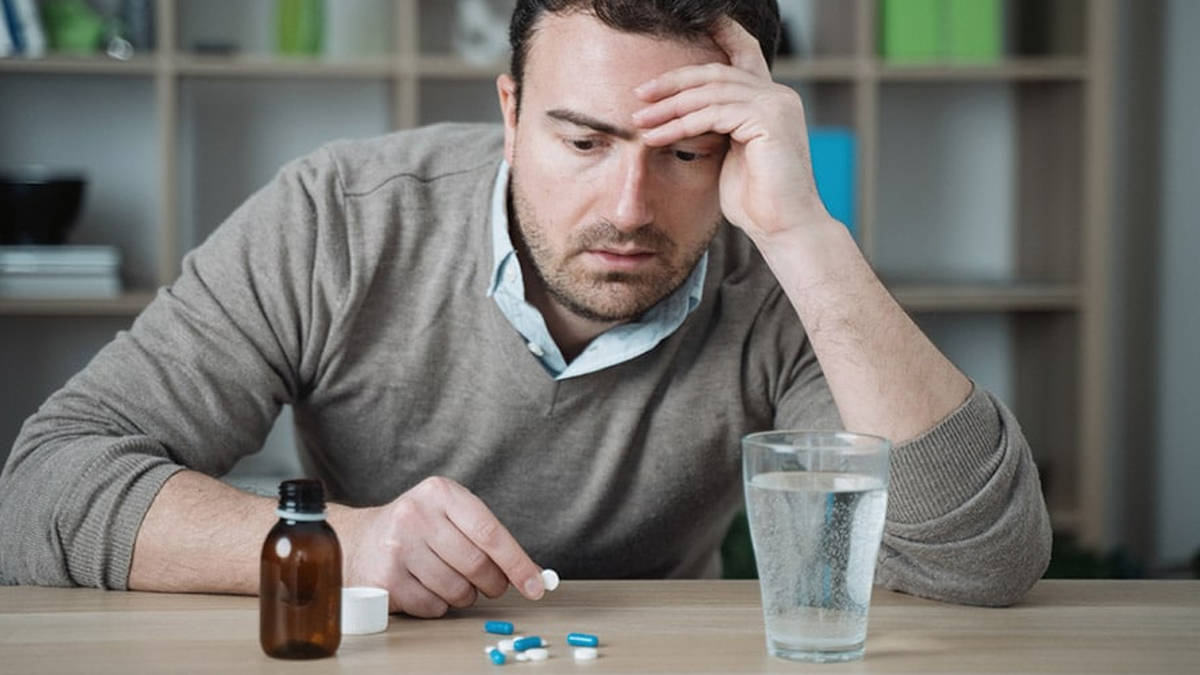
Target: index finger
477,522
742,48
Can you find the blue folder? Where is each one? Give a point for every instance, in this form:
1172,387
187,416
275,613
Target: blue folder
834,159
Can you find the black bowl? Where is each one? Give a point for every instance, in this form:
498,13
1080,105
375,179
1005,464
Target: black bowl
38,206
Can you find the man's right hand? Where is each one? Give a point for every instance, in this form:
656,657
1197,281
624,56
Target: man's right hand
434,547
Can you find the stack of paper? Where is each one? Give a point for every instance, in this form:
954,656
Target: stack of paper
60,272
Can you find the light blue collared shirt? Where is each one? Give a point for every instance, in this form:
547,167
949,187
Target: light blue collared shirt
616,345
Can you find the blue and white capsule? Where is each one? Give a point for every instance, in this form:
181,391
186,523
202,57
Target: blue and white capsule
496,656
582,640
531,642
498,627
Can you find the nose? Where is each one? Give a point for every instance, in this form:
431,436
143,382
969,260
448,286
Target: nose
631,206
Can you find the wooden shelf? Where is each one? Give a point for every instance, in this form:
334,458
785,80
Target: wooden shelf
270,67
81,65
1011,70
128,304
822,69
982,297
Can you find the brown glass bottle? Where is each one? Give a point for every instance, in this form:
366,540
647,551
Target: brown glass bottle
300,580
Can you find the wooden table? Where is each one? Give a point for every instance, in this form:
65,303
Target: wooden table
645,627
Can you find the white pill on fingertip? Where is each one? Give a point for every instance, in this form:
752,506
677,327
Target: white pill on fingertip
549,579
537,654
586,653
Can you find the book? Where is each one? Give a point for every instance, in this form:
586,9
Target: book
973,30
24,24
10,40
31,25
941,30
60,272
138,24
299,26
6,43
355,29
799,28
911,30
834,152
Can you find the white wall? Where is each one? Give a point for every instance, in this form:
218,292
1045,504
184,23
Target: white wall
1179,284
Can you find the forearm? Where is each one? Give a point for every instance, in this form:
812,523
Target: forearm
885,375
201,536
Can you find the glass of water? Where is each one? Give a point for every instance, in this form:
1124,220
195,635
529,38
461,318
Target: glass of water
816,502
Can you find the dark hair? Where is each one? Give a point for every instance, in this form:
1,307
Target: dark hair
661,18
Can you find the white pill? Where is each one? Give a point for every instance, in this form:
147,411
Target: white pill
550,579
522,656
586,653
505,646
537,654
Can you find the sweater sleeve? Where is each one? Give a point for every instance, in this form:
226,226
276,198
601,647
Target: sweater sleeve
966,519
196,382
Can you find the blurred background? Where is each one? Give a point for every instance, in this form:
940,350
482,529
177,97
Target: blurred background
1022,173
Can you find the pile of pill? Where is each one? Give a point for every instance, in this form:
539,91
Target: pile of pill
533,647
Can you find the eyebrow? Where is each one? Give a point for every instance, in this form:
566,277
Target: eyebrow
581,120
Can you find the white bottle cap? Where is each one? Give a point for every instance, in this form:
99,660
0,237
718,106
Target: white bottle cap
364,610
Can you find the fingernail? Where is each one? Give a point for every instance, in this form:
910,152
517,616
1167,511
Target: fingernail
534,587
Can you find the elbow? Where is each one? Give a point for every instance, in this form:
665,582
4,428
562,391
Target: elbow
995,568
1008,581
1021,558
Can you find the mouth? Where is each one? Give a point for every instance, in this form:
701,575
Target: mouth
622,258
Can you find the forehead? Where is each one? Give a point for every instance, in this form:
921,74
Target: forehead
577,49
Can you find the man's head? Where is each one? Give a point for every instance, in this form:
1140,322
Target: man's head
607,224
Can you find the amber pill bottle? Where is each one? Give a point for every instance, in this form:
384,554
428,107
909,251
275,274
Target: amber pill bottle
300,580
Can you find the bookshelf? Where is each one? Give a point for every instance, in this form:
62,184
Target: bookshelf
982,187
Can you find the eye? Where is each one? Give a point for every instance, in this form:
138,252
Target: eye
686,155
583,144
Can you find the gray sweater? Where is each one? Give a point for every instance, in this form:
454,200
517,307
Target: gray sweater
353,287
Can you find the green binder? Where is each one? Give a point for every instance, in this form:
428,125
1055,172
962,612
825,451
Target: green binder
941,30
911,30
973,30
300,26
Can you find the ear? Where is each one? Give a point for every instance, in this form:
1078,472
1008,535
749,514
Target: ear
506,88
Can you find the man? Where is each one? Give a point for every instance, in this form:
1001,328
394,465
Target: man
543,360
